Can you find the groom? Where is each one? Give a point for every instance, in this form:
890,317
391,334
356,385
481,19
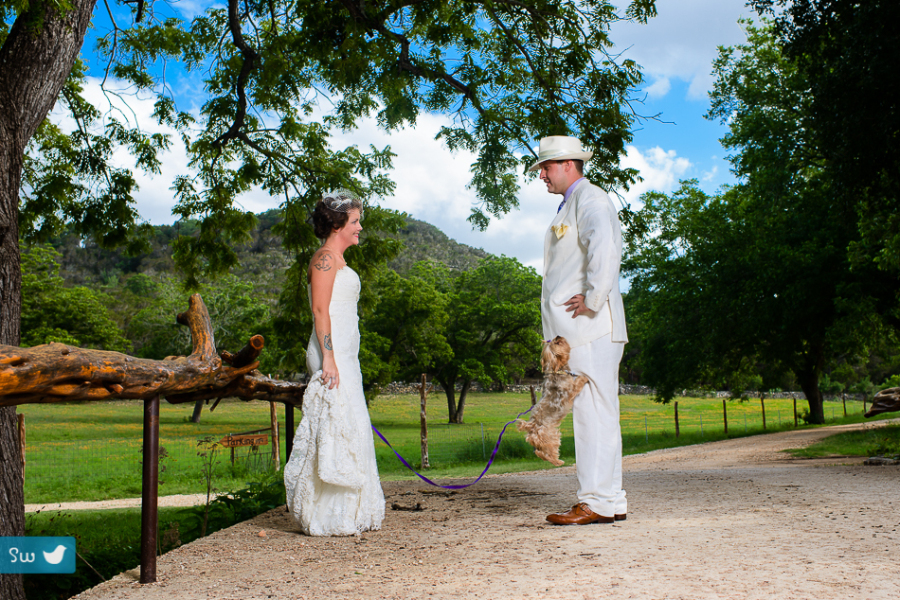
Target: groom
580,301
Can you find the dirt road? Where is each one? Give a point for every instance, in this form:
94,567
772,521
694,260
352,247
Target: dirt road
732,519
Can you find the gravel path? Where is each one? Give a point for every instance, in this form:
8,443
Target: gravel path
177,501
730,519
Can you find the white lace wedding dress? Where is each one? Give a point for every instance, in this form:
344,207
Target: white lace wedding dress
332,478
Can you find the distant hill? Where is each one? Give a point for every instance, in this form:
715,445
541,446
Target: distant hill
424,241
263,260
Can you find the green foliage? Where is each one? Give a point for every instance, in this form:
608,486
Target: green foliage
408,322
757,277
505,73
847,52
890,382
52,312
829,386
236,312
233,507
493,324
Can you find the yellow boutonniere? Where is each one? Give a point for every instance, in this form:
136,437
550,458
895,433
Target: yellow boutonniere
559,230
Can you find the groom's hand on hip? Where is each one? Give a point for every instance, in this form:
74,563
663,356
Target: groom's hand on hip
576,304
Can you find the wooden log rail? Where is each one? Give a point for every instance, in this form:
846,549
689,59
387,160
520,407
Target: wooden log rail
60,373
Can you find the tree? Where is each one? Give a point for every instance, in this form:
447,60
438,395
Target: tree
759,272
404,334
47,38
48,307
494,320
507,72
848,53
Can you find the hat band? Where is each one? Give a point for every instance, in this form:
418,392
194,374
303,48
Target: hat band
557,154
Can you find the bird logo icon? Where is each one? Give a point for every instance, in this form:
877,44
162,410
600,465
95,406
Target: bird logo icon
55,557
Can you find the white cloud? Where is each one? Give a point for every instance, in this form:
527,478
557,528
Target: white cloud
681,41
659,88
660,171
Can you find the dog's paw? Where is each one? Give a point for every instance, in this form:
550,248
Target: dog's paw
549,458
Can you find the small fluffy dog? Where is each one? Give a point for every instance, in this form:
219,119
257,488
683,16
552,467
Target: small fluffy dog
557,396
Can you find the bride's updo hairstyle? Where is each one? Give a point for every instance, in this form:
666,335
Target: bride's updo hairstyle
331,211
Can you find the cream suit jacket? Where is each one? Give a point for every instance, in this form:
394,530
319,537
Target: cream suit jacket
584,260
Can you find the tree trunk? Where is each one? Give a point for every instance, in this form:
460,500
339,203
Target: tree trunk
34,65
450,391
461,406
809,383
198,408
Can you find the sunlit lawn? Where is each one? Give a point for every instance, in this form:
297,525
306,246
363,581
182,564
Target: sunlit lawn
884,441
91,451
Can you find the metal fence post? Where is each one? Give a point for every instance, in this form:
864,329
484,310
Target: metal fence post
149,490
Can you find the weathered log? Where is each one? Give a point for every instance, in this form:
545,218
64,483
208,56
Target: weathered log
247,354
252,386
57,372
885,401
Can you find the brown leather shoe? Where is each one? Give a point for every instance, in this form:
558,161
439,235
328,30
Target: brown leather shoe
621,517
579,515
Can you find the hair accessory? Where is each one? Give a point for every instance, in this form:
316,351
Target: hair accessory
342,200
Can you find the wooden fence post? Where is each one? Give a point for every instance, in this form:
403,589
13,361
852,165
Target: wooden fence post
423,418
533,396
762,403
21,421
677,430
795,409
844,401
725,415
276,445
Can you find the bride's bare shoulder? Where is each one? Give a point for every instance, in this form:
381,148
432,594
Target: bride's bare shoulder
325,262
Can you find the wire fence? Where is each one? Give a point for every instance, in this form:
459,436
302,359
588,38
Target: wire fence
59,468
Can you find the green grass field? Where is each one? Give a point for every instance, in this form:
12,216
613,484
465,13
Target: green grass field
884,441
91,451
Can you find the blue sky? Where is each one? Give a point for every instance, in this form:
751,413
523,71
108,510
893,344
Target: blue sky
675,50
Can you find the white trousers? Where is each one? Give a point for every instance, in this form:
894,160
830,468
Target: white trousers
598,437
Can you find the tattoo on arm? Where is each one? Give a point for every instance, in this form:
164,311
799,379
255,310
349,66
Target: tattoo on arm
323,263
328,342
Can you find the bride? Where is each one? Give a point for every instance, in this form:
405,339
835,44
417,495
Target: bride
331,477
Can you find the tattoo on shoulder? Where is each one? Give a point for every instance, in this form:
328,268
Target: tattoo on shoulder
324,263
328,342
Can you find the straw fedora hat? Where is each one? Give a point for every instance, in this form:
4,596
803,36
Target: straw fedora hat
560,147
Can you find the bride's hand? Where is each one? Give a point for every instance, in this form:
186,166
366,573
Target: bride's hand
330,375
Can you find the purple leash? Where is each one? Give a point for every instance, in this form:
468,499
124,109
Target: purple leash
454,487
